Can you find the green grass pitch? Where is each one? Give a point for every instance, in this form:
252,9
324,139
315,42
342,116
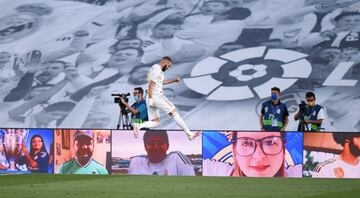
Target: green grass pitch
79,186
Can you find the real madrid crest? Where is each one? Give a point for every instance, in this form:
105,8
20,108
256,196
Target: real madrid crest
278,111
266,109
338,172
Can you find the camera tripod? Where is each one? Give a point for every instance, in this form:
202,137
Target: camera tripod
302,126
124,120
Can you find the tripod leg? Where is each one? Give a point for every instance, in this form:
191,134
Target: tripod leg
119,121
122,120
124,124
127,121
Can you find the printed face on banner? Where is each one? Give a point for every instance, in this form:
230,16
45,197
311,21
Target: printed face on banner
332,155
26,151
252,154
228,55
82,151
155,153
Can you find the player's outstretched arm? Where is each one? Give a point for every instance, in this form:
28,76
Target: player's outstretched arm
166,82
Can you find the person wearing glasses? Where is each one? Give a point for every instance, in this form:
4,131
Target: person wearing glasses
138,109
255,154
259,154
313,113
157,161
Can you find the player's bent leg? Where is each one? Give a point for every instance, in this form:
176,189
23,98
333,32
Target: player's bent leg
154,120
172,113
136,129
148,124
180,122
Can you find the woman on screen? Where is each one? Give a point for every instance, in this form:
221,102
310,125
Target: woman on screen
255,154
258,154
37,159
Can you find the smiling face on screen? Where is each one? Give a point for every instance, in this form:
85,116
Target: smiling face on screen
259,154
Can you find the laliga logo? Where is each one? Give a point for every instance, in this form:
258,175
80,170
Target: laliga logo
252,72
260,71
244,73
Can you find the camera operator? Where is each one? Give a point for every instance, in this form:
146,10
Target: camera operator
310,114
138,109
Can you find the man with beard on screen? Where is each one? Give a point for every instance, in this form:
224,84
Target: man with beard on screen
83,163
158,161
347,164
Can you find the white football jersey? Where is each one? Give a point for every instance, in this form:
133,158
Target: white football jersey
175,164
337,168
157,75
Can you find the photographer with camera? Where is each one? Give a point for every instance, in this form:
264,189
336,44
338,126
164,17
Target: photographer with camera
310,114
138,109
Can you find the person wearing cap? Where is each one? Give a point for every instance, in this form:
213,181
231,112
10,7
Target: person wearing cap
157,161
274,114
345,165
82,163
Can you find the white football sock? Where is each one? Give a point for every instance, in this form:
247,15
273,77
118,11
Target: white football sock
180,122
149,124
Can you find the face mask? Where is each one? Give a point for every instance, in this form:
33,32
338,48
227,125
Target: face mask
136,98
274,97
311,104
